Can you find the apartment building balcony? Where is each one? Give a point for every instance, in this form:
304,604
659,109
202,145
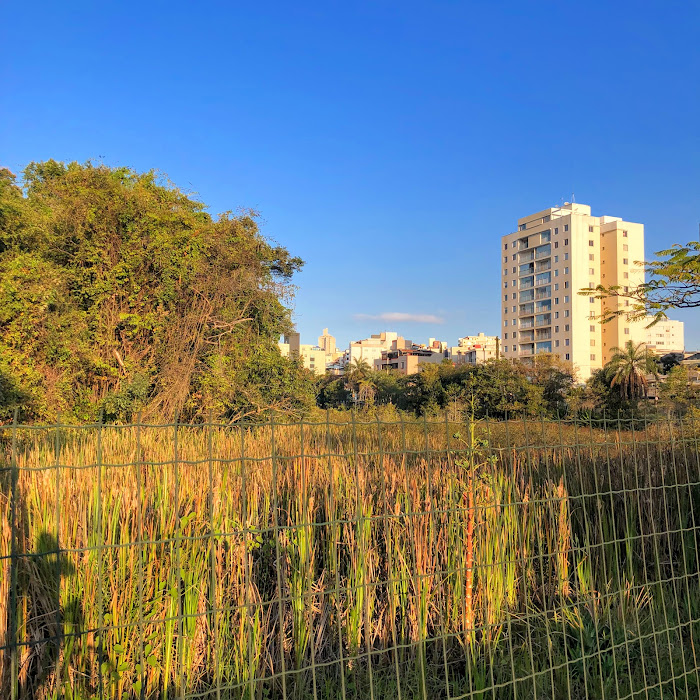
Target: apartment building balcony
544,320
544,265
526,269
542,306
543,293
526,310
544,334
543,282
527,336
526,350
543,347
543,251
523,244
527,296
526,323
527,282
526,256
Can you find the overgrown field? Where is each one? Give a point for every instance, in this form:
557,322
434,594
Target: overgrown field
356,560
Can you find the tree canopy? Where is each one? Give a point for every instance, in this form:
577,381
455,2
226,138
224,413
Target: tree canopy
119,292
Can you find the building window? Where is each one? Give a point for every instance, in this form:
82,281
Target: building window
505,246
556,286
566,285
505,335
566,256
505,259
566,328
556,300
556,272
566,227
505,284
627,275
592,329
514,244
624,234
592,357
625,261
515,334
566,241
626,289
627,331
556,231
522,227
514,269
592,343
505,272
566,342
566,270
556,329
505,323
591,256
591,243
513,309
625,247
513,296
567,356
591,300
591,271
566,299
556,343
556,244
505,297
514,256
556,258
566,313
514,348
556,314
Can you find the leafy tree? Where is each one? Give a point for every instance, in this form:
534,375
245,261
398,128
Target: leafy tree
674,283
118,292
678,392
555,376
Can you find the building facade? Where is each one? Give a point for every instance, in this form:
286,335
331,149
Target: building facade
475,349
545,263
666,336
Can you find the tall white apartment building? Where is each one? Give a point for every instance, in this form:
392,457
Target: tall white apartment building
545,263
666,336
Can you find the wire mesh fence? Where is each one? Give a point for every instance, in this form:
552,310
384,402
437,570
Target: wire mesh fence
351,559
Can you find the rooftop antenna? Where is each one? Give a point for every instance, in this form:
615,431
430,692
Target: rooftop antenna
573,198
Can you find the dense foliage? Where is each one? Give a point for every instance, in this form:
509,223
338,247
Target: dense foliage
120,293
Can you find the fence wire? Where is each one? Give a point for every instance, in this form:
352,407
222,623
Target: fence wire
351,559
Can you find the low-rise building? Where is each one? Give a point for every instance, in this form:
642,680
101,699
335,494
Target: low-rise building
475,349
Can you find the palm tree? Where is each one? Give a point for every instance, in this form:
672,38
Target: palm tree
356,373
628,369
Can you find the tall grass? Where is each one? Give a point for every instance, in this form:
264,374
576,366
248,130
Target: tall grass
351,560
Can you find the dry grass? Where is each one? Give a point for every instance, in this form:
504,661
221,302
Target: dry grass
341,561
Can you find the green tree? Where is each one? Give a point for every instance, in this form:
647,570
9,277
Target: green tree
673,283
628,369
677,392
118,292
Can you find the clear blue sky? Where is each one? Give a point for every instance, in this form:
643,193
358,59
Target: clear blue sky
389,144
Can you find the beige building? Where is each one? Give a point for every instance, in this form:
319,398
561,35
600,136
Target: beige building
313,357
475,349
546,262
370,349
666,336
407,358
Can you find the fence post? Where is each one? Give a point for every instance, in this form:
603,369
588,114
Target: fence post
14,670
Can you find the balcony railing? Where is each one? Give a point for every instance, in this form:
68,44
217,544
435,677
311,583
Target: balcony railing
543,335
527,256
543,252
526,269
527,310
525,353
527,296
527,324
543,266
526,283
542,283
545,293
523,245
543,322
527,337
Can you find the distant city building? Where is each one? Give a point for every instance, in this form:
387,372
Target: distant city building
475,349
370,349
665,337
315,358
546,262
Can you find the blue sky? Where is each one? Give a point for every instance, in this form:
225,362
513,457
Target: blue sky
388,144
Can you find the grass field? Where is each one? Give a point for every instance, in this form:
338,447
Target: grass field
413,559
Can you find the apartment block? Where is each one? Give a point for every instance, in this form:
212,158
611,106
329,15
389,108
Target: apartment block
666,336
474,349
545,263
